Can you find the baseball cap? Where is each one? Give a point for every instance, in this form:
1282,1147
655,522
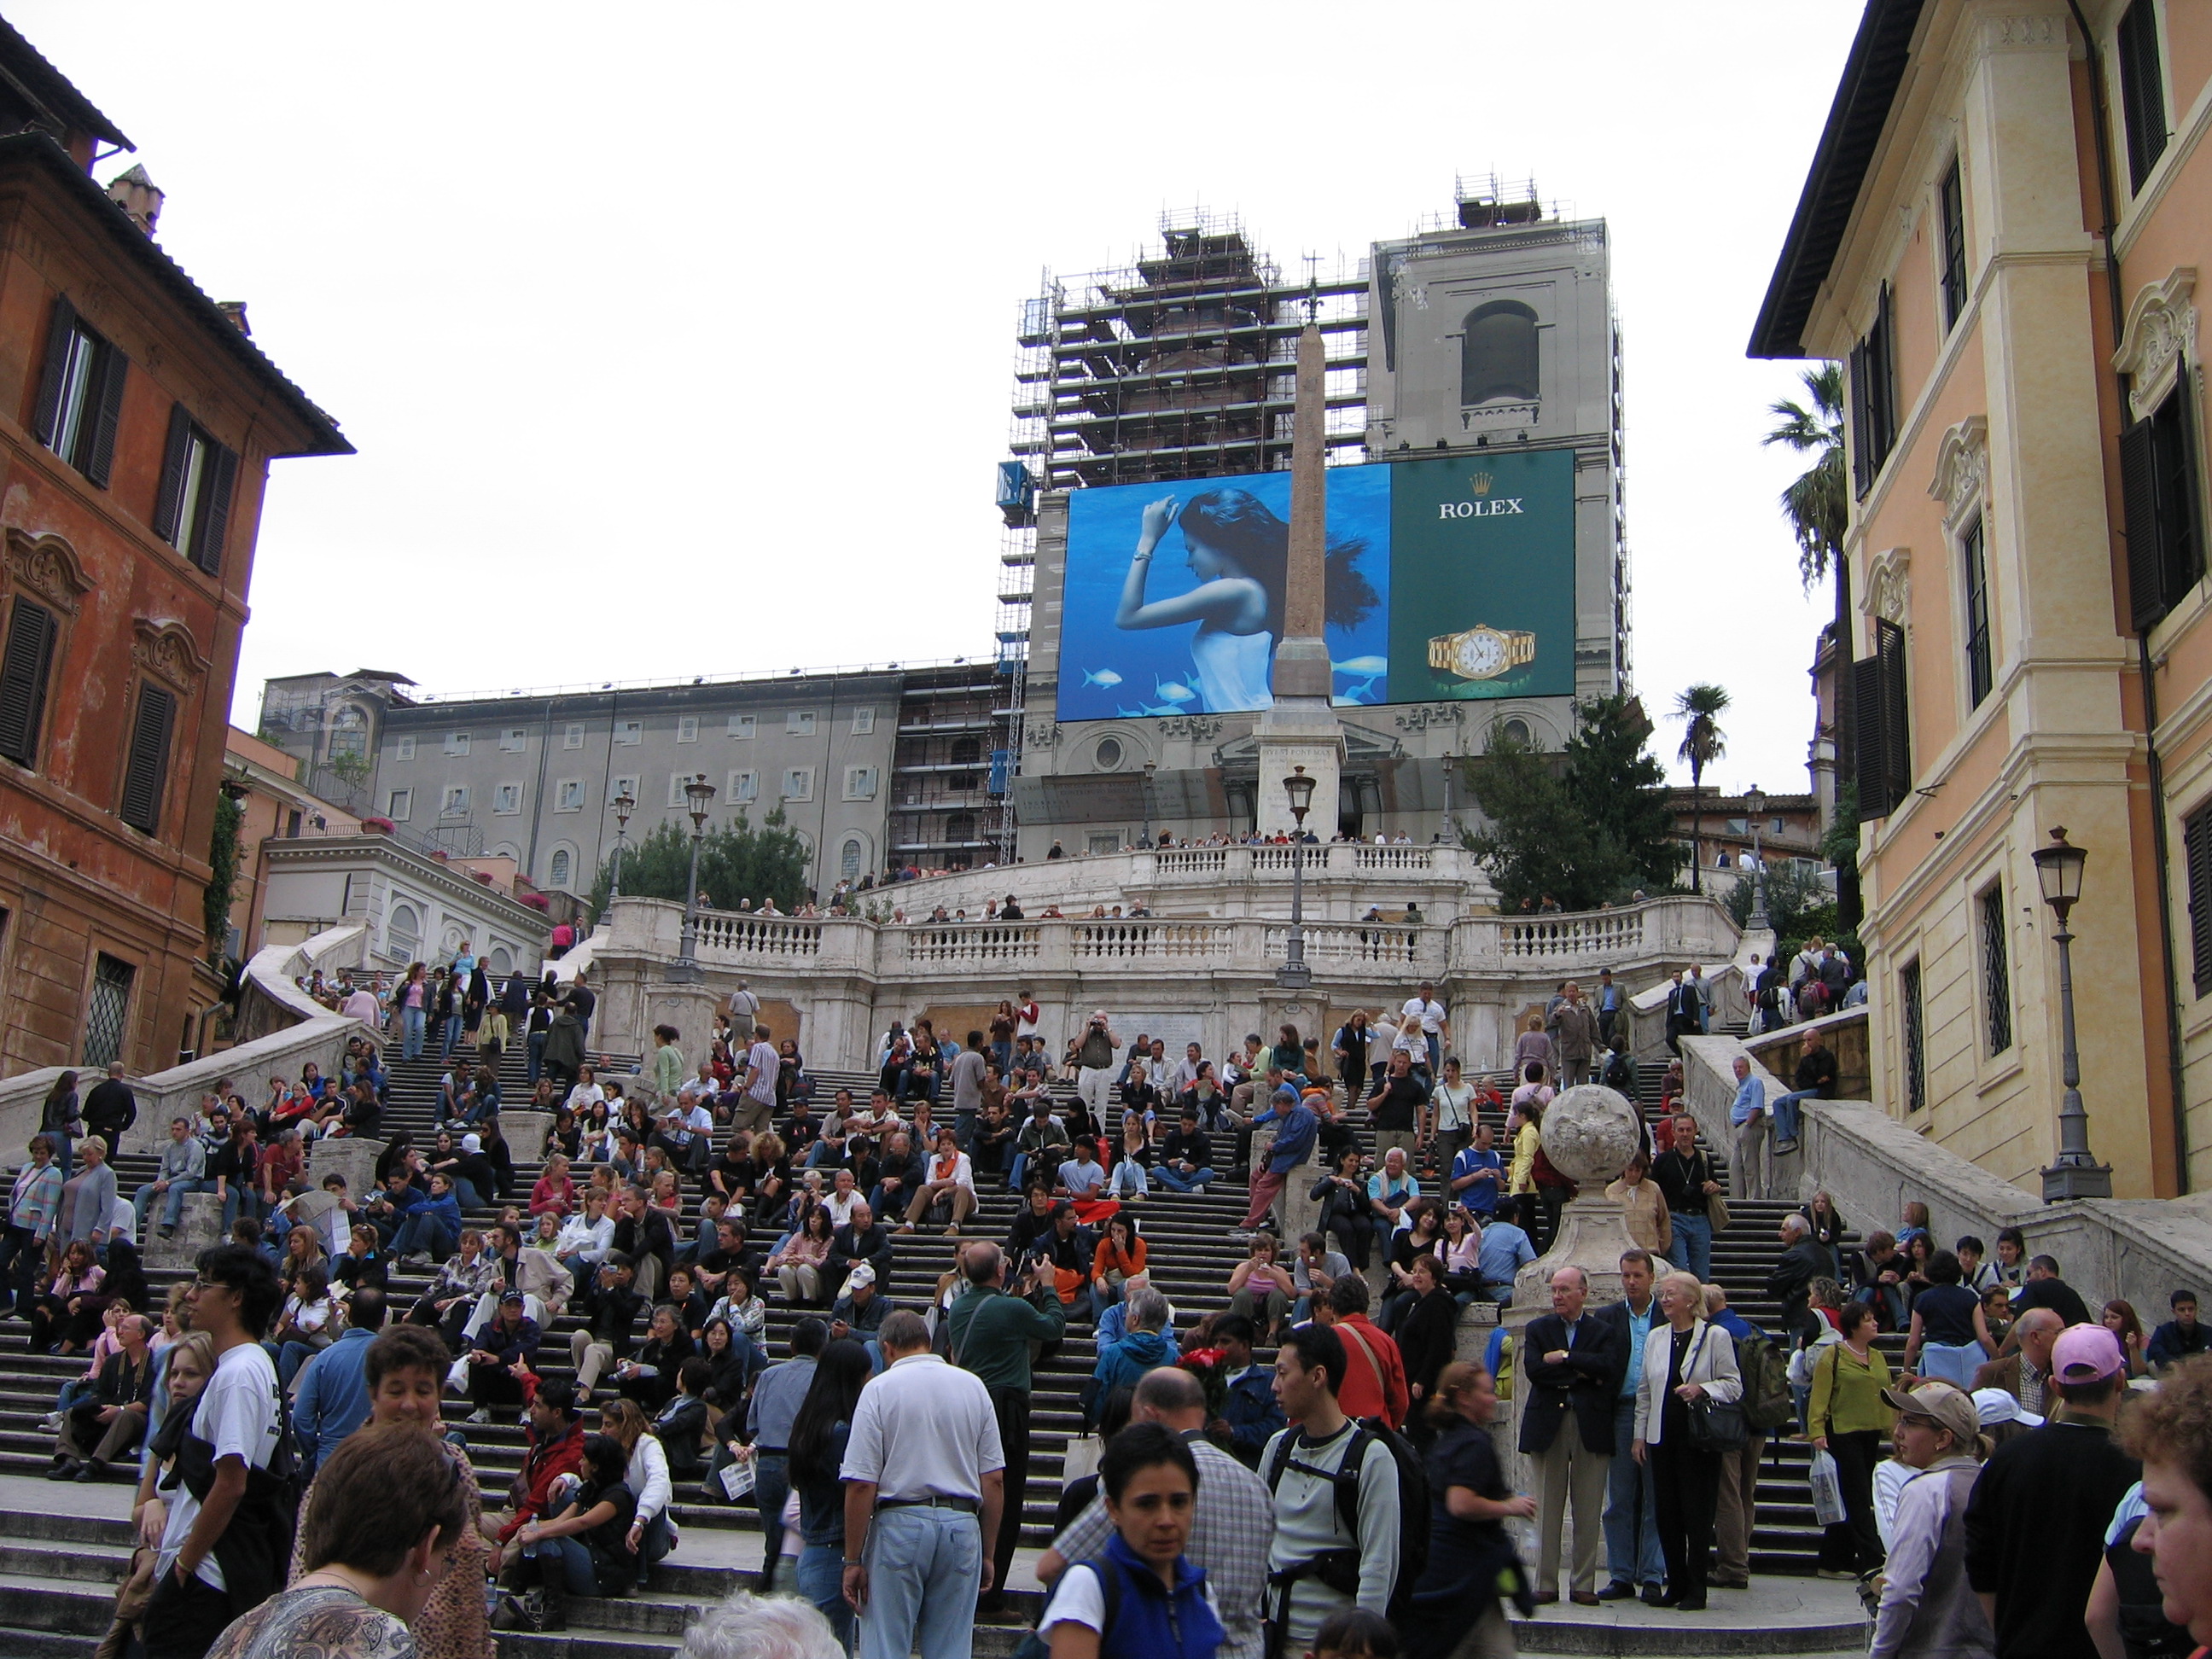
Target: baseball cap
1941,1402
515,1297
2086,1354
472,1143
1995,1406
863,1274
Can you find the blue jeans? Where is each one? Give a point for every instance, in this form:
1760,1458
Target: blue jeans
172,1201
565,1564
821,1580
925,1566
450,1039
1786,1113
1693,1244
410,1034
64,1154
237,1202
535,1048
424,1233
1176,1181
771,1488
1632,1512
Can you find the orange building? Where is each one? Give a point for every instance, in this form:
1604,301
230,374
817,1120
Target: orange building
2002,234
137,422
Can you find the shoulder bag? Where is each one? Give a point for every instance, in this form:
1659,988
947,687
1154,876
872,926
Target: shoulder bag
1715,1425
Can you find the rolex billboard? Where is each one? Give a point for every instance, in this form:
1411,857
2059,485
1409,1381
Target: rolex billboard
1446,578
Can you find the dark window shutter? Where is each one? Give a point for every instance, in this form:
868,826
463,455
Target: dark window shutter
1862,427
58,331
2142,95
1870,748
25,668
2139,501
214,508
172,494
2196,856
107,398
1896,717
147,770
2181,491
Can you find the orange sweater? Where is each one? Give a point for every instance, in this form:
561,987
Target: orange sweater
1110,1258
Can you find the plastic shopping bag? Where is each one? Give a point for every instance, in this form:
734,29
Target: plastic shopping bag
1827,1490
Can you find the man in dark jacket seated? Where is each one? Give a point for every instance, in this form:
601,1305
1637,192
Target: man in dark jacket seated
1814,1080
1804,1259
1250,1413
862,1239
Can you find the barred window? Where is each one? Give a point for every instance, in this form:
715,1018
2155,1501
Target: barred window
1916,1053
1996,970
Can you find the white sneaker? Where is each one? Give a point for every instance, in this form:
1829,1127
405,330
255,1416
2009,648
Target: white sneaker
480,1414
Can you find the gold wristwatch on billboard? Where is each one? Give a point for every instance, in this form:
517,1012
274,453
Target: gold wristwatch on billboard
1482,653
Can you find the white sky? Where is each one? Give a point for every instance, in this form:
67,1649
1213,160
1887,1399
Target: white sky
678,339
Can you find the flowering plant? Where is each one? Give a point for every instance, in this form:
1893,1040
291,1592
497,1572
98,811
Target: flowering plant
1211,1367
377,826
537,901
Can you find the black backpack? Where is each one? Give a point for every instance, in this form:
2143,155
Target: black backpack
1767,1402
1339,1568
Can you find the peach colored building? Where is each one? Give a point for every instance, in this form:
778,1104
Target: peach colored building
2001,234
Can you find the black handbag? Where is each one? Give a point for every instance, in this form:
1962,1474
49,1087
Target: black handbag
1715,1425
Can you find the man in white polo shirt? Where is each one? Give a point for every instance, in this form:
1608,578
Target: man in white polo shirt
925,1483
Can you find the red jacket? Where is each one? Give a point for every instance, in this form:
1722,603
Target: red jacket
542,1465
1373,1372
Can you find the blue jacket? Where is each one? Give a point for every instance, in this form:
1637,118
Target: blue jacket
333,1397
446,1211
1294,1141
1130,1358
1150,1622
1253,1413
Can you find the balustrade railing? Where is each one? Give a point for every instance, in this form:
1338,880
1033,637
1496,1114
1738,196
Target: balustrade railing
1154,941
973,943
731,934
1329,942
1593,932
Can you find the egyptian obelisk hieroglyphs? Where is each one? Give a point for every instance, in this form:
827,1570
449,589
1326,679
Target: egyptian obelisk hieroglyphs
1301,728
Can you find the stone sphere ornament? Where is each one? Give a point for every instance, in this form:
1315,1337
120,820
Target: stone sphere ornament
1591,1134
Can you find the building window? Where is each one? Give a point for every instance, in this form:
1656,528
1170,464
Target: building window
798,783
864,721
1881,739
1497,354
79,394
513,740
563,865
506,799
687,729
617,788
798,723
1516,730
26,668
1916,1052
1873,398
501,962
959,827
744,786
2142,91
630,731
848,860
572,735
1101,841
454,804
1951,207
398,805
1108,755
106,1012
146,772
676,782
860,783
569,795
2159,492
2197,852
405,750
743,725
457,743
1979,674
404,932
1997,969
199,476
348,733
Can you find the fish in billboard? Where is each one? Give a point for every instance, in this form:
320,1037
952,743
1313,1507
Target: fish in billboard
1366,671
1105,677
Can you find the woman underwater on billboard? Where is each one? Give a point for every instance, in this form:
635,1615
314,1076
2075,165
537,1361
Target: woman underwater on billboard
1239,551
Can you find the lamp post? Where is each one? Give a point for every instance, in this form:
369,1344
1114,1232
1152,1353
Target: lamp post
1294,975
2075,1173
1755,802
701,795
624,804
1144,834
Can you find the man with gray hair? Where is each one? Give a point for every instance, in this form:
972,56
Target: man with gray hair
1232,1521
747,1626
1145,1346
1803,1259
1747,1113
924,1479
1571,1366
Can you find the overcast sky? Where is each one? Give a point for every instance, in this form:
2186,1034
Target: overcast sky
678,339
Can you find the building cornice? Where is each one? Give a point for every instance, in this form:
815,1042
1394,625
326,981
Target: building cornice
352,851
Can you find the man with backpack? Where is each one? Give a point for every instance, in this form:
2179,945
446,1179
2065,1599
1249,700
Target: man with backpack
1344,1529
1767,1407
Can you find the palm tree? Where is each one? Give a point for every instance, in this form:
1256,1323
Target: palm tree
1818,502
1702,742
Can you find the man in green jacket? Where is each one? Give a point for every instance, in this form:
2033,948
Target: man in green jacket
990,1333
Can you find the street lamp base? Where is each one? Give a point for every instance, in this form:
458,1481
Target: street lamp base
1760,922
686,973
1294,976
2062,1181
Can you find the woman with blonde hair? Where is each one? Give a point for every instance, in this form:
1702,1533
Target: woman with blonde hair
646,1474
1687,1361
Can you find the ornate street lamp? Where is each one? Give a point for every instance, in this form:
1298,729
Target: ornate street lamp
1144,834
701,795
1755,802
2076,1173
1294,975
624,803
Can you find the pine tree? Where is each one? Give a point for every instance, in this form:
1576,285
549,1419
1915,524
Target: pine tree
736,861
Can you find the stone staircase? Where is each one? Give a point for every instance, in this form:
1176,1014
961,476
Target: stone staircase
58,1570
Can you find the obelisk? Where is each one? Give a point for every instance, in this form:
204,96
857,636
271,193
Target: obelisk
1301,728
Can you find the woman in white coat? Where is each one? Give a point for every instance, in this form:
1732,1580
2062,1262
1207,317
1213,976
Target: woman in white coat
1687,1360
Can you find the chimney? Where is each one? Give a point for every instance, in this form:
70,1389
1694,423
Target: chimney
138,197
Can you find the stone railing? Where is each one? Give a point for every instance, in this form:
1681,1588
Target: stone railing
284,1028
735,934
1872,1166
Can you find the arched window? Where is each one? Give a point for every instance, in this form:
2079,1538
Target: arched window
1497,354
404,932
499,963
1109,753
559,873
848,860
967,751
1517,730
959,826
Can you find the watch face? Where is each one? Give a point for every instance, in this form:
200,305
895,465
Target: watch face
1479,653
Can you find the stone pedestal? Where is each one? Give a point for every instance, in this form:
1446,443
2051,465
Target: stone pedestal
353,1157
690,1009
1299,731
198,1227
526,1134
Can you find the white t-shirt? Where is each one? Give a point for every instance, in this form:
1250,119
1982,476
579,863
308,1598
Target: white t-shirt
1078,1599
1430,1012
584,1097
237,1416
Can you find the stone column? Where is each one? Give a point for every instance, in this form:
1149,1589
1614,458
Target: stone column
200,1227
353,1157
